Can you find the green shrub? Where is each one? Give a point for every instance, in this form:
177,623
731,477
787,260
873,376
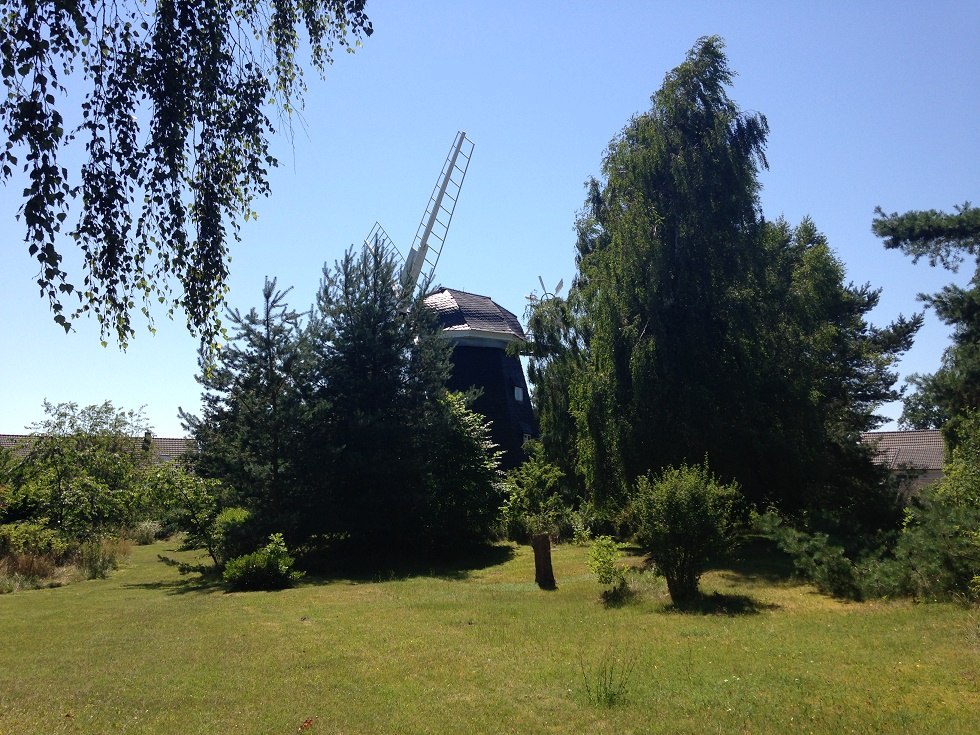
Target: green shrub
33,538
685,519
603,555
232,533
581,532
99,556
271,567
191,503
938,553
461,505
816,558
81,471
533,503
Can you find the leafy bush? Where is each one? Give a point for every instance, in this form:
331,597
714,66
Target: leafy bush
533,503
271,567
232,533
191,503
30,555
581,532
685,518
36,539
82,472
99,556
603,555
462,503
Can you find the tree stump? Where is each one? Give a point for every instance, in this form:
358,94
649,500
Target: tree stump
544,575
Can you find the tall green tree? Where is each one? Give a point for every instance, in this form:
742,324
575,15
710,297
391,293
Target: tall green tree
557,349
173,133
818,372
948,396
395,462
665,259
342,427
249,426
695,327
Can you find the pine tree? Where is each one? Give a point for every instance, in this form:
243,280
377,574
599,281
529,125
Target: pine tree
249,426
392,461
947,397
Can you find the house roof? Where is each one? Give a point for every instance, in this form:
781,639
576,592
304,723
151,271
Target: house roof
468,314
165,448
168,448
922,449
11,441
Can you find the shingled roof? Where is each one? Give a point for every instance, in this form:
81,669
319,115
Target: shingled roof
11,441
165,448
922,449
469,314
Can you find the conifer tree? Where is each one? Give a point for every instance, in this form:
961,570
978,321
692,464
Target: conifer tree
946,398
250,421
392,460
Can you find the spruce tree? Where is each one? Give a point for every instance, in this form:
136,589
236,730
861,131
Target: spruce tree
249,426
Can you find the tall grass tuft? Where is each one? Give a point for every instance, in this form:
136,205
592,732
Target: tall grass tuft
99,556
146,532
607,684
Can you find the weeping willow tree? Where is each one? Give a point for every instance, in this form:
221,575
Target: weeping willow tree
695,327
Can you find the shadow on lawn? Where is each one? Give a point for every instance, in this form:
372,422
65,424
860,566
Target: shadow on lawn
349,567
383,565
200,578
758,560
721,604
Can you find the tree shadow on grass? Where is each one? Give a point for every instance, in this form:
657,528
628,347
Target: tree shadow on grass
720,604
199,578
758,560
345,566
379,565
619,596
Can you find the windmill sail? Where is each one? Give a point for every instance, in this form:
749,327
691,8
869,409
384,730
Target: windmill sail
431,234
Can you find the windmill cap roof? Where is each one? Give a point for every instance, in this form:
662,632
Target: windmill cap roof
463,312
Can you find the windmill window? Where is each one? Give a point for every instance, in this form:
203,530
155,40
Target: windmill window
518,394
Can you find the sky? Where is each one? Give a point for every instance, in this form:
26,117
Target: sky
869,103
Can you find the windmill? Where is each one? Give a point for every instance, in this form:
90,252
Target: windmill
479,329
430,237
546,295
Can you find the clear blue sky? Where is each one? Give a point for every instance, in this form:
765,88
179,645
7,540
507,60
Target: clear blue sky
868,103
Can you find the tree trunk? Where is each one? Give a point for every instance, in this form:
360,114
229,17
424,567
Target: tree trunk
544,575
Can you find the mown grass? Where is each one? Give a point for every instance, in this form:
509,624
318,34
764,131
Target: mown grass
477,651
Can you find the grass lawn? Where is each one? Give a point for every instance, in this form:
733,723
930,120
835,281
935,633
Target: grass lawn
480,651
